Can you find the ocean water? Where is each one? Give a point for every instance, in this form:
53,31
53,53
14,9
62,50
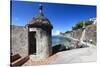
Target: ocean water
60,40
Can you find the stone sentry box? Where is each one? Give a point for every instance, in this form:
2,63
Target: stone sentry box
39,36
42,47
32,39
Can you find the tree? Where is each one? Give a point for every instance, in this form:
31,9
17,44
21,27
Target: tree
80,24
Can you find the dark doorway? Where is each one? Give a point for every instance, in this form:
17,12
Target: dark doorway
32,42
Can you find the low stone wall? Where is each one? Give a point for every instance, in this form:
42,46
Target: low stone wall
19,40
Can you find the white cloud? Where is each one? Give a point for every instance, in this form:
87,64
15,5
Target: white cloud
57,32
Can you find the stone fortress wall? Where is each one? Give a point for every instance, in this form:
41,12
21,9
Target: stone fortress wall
19,41
90,33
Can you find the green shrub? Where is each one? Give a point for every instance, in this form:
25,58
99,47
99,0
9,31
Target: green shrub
80,24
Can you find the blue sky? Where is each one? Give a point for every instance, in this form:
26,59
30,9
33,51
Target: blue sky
62,16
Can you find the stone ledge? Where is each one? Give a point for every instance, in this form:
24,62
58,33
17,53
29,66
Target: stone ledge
20,61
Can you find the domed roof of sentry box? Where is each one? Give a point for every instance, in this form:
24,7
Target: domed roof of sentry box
40,20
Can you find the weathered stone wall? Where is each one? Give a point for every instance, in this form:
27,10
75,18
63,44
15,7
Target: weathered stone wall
75,34
44,49
19,40
90,33
43,43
